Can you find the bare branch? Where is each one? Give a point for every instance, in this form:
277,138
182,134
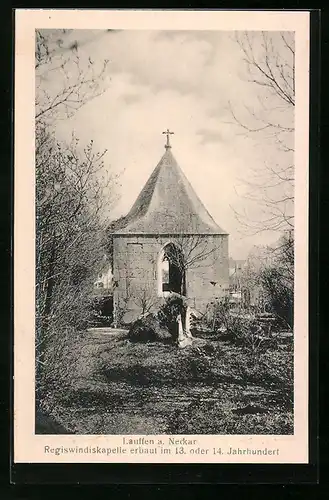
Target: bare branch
269,63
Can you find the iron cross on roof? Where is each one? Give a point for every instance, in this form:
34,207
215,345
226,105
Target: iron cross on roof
167,132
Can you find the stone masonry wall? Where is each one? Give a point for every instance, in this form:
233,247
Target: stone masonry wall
135,274
208,279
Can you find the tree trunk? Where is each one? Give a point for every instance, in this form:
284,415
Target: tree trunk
50,283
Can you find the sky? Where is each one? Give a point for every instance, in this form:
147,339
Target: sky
184,81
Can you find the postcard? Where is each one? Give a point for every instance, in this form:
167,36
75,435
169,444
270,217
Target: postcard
161,236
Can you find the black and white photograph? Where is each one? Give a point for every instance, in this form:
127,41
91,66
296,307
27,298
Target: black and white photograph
165,249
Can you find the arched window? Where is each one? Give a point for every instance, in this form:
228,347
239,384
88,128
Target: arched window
171,272
165,274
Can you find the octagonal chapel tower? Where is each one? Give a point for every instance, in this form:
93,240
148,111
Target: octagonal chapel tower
168,242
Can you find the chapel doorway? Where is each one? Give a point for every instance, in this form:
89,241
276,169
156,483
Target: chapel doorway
172,270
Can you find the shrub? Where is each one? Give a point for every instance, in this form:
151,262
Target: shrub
281,294
169,311
246,330
57,374
101,311
148,329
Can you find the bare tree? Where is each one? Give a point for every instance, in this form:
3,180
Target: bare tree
122,301
69,237
190,251
73,188
280,293
144,298
269,61
189,248
269,271
66,76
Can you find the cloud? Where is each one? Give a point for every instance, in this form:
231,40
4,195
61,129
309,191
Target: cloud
209,136
131,98
160,63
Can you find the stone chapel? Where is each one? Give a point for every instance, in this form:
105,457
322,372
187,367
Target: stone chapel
168,242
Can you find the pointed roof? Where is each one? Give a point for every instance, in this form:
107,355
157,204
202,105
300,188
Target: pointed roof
168,205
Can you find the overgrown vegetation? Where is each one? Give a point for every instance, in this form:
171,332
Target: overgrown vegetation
148,329
277,280
268,276
72,184
255,331
159,326
122,387
234,379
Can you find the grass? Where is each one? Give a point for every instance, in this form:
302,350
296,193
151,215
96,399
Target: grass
214,387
